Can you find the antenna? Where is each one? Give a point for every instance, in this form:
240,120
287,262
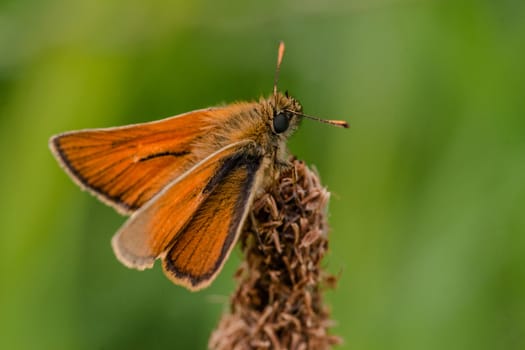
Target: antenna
338,123
280,55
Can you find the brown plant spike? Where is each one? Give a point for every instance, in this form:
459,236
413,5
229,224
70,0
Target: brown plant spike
278,302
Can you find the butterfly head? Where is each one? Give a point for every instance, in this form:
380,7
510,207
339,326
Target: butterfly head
285,114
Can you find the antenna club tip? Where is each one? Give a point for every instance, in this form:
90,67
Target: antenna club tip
280,53
340,123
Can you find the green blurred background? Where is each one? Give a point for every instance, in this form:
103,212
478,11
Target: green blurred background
428,206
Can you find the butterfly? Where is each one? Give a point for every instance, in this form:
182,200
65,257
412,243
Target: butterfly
187,182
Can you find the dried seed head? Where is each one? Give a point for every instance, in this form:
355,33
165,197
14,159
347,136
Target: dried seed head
278,302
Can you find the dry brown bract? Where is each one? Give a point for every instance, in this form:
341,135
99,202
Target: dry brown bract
278,303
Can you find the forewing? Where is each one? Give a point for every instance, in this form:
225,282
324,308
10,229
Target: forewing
126,166
199,251
152,229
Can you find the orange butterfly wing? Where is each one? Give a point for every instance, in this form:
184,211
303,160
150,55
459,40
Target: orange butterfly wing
201,248
154,228
126,166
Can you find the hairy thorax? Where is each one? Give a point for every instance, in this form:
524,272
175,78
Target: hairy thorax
252,124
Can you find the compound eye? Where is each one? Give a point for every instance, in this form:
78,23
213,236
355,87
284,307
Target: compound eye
280,123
